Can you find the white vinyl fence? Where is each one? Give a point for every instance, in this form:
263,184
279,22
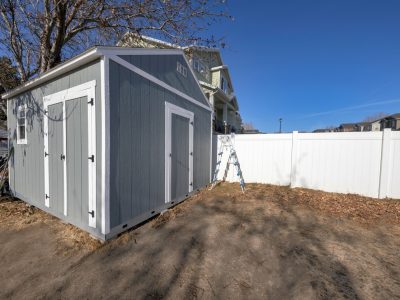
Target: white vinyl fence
365,163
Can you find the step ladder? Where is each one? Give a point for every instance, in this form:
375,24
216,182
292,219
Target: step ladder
227,145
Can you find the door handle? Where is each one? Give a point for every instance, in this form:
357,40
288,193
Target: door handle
91,213
91,158
62,157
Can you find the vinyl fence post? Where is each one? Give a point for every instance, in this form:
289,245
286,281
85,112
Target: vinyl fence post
293,170
385,164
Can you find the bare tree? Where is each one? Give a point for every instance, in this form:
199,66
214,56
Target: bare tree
39,34
8,80
374,117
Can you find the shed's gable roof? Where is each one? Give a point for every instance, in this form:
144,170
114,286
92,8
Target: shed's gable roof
98,52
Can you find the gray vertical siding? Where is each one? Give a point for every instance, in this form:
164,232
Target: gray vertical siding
56,165
27,162
179,156
77,160
164,67
137,138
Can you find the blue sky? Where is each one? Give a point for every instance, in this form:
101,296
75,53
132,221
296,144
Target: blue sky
315,63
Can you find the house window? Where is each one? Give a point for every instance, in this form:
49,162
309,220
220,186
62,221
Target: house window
200,67
224,84
21,124
181,69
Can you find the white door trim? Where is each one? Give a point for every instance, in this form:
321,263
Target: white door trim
83,90
169,110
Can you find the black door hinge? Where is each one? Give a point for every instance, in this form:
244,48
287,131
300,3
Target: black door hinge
62,157
91,102
191,123
191,184
46,154
47,196
91,213
92,158
191,153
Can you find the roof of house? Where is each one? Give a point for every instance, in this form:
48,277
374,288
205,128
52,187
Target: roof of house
362,123
347,125
396,116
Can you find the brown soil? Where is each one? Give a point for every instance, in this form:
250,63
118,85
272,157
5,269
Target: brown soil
270,243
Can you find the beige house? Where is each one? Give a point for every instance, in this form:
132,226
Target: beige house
392,121
213,76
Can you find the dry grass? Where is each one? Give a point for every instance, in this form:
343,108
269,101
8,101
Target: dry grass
271,242
18,215
362,209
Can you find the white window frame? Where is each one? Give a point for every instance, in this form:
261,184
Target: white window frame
23,141
181,69
223,80
169,110
200,67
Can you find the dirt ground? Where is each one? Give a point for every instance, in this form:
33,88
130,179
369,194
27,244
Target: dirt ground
270,243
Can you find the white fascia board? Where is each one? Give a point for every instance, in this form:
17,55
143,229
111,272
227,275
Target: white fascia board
65,67
219,68
138,51
157,81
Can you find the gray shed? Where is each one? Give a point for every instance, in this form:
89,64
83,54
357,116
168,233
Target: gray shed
110,138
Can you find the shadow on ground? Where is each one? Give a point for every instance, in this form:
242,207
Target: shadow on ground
219,244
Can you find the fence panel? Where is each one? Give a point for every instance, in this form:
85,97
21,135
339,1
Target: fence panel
393,188
264,158
339,162
351,162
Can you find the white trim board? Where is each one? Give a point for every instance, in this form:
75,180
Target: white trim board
157,81
23,141
139,51
105,143
169,110
84,90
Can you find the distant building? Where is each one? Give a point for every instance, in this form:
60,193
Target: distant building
212,74
347,127
321,130
392,121
3,142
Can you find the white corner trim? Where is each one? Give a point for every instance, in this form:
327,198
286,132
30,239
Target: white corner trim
157,81
169,110
105,146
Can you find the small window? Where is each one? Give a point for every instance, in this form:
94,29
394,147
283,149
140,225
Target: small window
224,84
181,69
21,124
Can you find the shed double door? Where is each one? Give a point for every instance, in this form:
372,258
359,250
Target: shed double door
70,164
